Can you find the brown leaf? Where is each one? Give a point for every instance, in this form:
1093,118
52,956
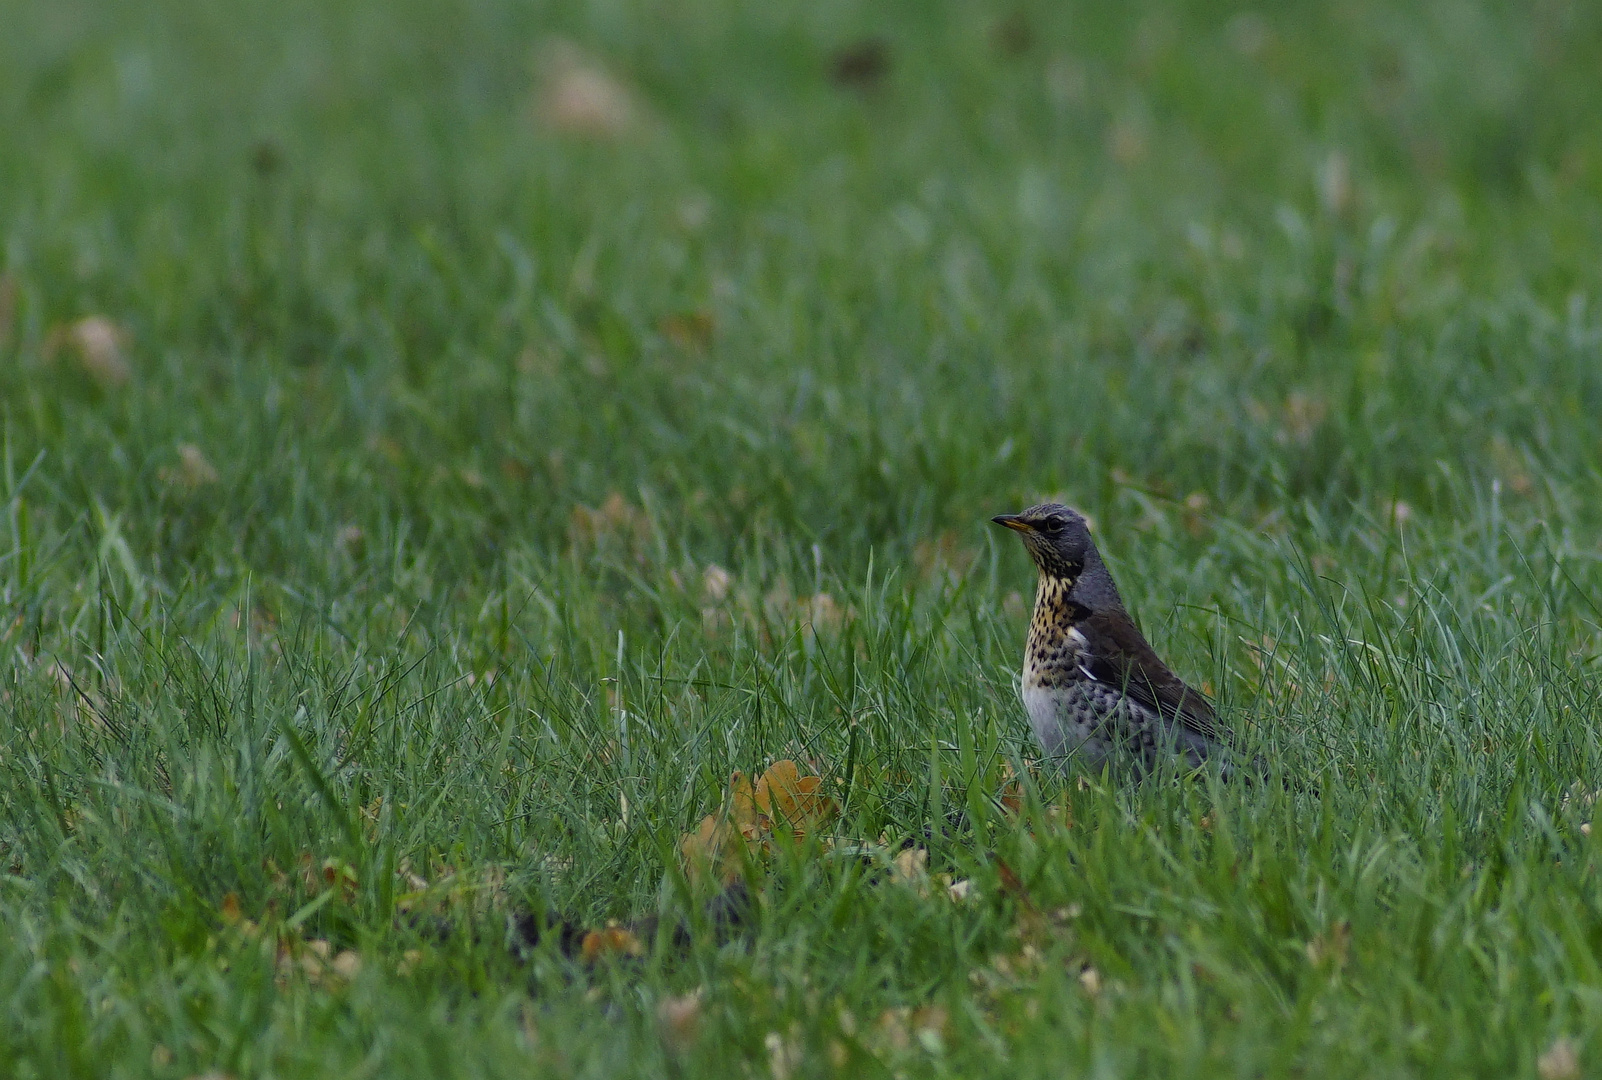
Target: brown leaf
612,941
1012,792
1011,884
229,908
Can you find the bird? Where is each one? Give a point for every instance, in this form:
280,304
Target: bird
1096,692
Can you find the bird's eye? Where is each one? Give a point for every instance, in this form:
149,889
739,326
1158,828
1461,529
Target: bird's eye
1055,525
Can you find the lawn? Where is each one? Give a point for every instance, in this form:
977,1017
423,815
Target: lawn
442,444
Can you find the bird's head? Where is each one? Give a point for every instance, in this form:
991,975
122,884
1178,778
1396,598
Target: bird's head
1056,537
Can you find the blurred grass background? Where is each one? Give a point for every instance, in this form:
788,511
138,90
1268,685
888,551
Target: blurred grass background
442,442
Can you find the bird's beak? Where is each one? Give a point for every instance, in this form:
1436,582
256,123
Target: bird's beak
1013,522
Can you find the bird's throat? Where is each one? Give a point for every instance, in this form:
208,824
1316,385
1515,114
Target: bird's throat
1054,640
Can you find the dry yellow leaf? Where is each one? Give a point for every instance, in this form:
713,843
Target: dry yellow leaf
784,795
910,867
718,847
743,807
706,851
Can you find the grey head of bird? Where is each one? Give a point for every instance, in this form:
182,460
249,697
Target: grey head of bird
1058,539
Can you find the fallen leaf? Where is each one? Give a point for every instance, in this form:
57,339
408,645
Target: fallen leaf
910,867
1011,884
929,1023
900,1027
578,97
784,795
612,941
1560,1062
615,517
679,1020
1012,797
944,555
193,469
743,808
892,1028
98,343
347,964
784,1054
822,612
340,874
715,582
1333,945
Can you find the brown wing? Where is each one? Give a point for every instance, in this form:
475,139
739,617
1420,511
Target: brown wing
1120,657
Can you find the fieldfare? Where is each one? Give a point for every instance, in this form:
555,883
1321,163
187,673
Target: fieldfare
1095,691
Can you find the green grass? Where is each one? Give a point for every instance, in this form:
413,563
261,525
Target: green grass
390,554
